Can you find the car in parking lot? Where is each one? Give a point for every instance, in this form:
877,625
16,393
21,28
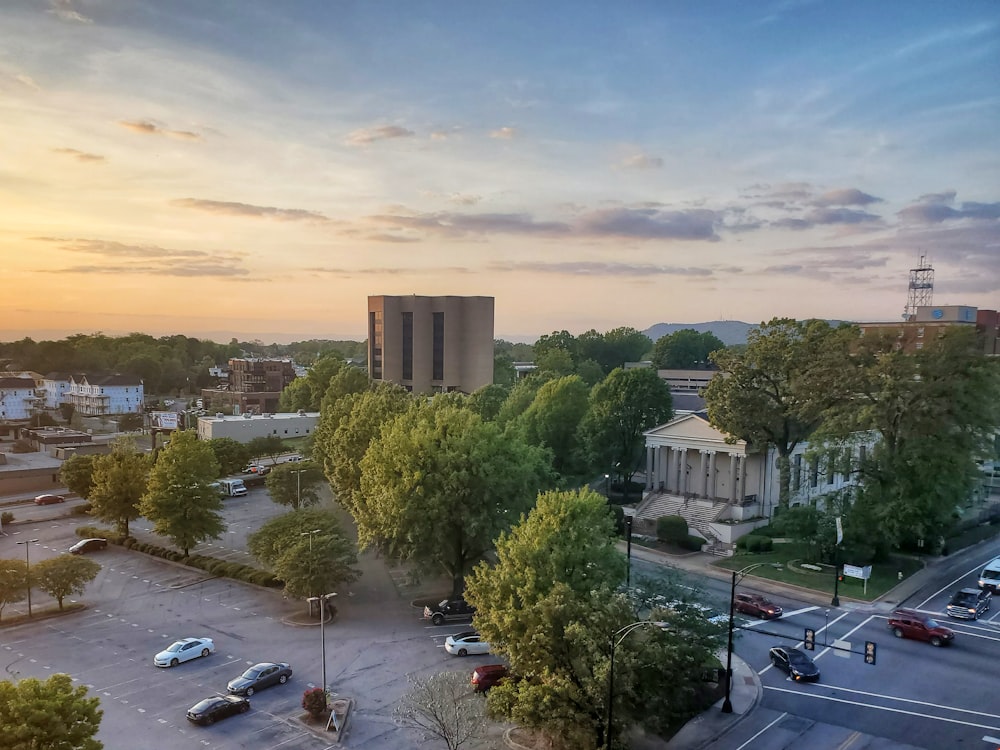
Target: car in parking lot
217,707
757,606
909,623
49,499
449,609
260,676
184,650
796,664
969,604
463,644
488,675
88,545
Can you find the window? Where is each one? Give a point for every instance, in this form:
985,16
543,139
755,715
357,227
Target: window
796,472
920,345
438,343
407,346
920,332
814,472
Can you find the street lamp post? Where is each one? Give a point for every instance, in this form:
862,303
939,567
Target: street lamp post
311,534
628,555
322,600
727,704
27,570
621,634
298,488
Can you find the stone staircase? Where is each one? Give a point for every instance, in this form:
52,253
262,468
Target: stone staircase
698,515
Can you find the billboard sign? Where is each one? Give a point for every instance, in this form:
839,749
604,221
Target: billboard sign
164,420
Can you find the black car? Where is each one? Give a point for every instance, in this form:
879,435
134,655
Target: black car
795,664
449,609
260,676
217,707
88,545
969,604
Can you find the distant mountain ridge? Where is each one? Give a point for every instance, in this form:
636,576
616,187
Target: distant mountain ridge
729,332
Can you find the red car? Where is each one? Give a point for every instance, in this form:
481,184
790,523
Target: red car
757,605
49,499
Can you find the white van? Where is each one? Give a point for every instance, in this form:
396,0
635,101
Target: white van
989,578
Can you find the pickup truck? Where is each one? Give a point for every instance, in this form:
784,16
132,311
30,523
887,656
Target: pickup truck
449,609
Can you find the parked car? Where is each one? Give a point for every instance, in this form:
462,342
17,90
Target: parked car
969,604
909,623
260,676
49,499
488,675
757,606
257,469
88,545
463,644
795,664
989,578
449,609
217,707
184,650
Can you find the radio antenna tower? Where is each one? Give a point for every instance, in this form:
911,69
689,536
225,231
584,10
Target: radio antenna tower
921,291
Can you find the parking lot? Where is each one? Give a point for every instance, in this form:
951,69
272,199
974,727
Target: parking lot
139,605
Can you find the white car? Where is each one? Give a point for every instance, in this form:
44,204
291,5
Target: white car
463,644
184,650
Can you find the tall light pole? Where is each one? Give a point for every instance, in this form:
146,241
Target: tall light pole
628,547
727,704
620,635
27,570
298,488
311,534
322,600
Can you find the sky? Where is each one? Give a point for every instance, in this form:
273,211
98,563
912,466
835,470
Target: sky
257,169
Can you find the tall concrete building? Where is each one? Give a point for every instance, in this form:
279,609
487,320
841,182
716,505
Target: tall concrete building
431,344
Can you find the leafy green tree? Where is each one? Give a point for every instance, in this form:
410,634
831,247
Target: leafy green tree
556,340
64,575
295,483
349,380
553,421
316,564
269,446
439,484
50,714
622,406
519,399
345,432
269,542
488,400
180,499
119,484
504,373
590,372
555,362
777,390
296,395
231,455
614,348
77,473
13,582
686,349
439,707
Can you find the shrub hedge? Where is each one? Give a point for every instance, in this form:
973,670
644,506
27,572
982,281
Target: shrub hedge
755,543
212,565
672,529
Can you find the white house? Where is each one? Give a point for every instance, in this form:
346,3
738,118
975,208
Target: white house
17,398
56,387
97,395
725,490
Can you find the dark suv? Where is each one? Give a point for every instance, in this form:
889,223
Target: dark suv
449,609
909,623
969,604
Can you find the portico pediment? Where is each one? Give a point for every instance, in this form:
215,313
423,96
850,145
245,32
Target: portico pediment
694,432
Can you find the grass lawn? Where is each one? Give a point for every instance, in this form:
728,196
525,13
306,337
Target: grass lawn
790,557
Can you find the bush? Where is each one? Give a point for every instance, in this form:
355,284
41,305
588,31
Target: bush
6,517
314,701
693,543
755,543
672,529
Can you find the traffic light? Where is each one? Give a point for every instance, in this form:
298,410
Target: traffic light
869,652
810,639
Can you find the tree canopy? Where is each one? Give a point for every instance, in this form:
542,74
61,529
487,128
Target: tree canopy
553,421
295,483
64,575
50,714
232,455
119,482
686,349
180,498
77,473
12,582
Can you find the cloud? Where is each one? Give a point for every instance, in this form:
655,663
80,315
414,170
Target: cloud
456,225
588,268
64,11
642,161
364,136
146,127
79,155
840,216
845,197
146,259
246,209
650,223
936,208
505,133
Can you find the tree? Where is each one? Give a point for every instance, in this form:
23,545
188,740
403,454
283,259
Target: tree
622,406
553,420
777,390
307,393
686,349
13,582
232,455
614,348
349,380
486,401
440,484
268,543
180,499
64,575
119,483
294,483
555,362
130,422
50,714
519,399
315,564
296,395
440,707
556,340
269,446
77,473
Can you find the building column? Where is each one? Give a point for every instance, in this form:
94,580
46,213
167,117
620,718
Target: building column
712,479
702,486
742,482
733,461
649,463
682,473
671,481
